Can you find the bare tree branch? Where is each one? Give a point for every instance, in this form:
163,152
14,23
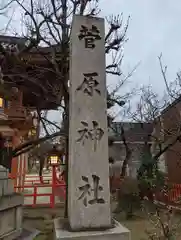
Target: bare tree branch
27,146
51,123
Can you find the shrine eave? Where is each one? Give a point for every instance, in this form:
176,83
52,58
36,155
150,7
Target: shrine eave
37,57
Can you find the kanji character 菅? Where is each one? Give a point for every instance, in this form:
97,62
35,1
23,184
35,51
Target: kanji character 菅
89,36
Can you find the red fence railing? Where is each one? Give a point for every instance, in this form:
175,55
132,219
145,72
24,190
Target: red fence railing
175,193
42,191
32,193
172,195
33,188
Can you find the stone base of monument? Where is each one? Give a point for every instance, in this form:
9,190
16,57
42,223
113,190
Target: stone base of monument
118,232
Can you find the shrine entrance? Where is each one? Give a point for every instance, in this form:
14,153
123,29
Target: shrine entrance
45,190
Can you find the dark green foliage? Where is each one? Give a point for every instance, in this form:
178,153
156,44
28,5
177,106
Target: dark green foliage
149,182
128,197
150,179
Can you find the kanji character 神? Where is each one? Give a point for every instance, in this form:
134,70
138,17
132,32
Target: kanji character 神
94,133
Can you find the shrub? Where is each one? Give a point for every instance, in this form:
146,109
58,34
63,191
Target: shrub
128,197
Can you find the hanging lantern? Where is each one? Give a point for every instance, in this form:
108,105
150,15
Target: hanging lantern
1,102
32,132
54,157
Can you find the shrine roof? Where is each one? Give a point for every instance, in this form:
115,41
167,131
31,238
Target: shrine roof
133,131
37,57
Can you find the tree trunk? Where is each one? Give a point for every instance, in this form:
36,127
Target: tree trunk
42,161
66,122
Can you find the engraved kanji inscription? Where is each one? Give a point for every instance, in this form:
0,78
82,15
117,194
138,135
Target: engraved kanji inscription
89,35
89,84
91,191
95,133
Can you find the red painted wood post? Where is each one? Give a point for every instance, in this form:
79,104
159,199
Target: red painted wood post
54,176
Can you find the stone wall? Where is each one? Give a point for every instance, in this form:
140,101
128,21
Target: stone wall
10,208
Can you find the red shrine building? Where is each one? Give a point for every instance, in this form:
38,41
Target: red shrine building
16,127
28,89
17,114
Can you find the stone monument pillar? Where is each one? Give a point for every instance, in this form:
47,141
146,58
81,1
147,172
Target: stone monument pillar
89,214
88,196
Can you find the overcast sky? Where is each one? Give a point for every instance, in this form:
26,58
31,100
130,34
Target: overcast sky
155,27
